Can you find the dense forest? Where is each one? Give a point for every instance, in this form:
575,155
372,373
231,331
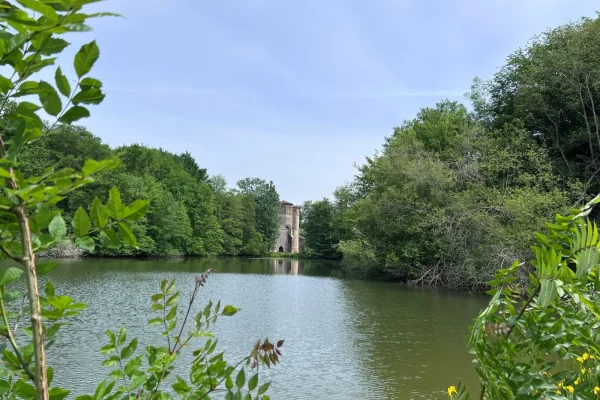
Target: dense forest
457,192
190,213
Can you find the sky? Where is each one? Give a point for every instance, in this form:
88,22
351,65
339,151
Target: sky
294,91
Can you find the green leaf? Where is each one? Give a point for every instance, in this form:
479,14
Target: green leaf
107,349
181,387
114,206
111,337
155,321
101,389
548,292
136,210
89,96
86,243
230,310
99,214
62,83
111,361
49,98
240,380
122,336
253,382
229,382
73,114
172,325
85,58
172,314
10,275
5,84
116,374
40,7
89,167
109,239
52,45
127,234
76,27
263,388
133,366
90,83
49,289
173,300
24,390
57,227
137,381
50,375
44,268
130,349
81,222
157,296
57,393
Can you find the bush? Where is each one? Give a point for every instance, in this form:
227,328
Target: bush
545,346
359,257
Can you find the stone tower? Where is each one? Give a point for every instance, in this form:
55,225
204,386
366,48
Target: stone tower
289,229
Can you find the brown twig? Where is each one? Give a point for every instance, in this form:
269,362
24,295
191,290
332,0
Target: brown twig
12,340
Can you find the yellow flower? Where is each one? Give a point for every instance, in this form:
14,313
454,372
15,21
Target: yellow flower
569,388
577,381
580,359
451,390
596,389
583,371
586,356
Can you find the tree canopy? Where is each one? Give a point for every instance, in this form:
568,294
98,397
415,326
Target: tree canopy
190,213
458,191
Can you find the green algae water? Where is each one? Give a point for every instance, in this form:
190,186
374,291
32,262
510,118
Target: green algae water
344,338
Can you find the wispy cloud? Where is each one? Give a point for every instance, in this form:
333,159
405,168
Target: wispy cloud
397,94
164,90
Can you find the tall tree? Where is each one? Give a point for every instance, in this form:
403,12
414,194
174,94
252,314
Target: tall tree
267,206
319,228
553,86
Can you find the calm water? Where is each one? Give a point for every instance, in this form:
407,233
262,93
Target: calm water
344,339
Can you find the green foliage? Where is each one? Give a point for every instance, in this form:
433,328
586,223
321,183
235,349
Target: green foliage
547,345
267,207
144,375
186,216
551,85
446,201
319,228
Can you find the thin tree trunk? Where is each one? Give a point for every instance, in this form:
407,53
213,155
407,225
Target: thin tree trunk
28,261
557,141
587,124
587,86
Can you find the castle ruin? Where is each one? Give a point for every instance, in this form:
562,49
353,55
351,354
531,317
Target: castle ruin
289,240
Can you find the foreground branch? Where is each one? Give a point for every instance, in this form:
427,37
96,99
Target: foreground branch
12,340
28,262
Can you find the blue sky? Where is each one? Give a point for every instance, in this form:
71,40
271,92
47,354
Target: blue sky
296,91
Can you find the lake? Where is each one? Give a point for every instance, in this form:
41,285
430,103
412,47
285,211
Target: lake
344,338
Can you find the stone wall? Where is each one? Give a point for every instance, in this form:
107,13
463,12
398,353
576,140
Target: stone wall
289,229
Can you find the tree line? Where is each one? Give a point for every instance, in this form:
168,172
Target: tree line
190,212
458,192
